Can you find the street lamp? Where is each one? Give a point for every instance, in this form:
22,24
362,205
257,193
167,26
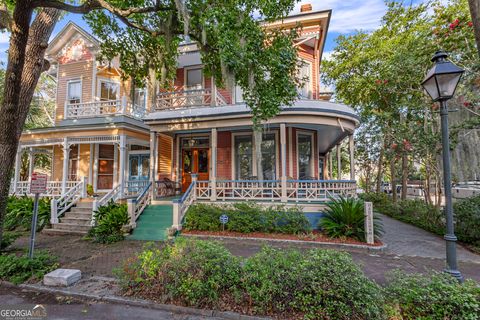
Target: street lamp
440,83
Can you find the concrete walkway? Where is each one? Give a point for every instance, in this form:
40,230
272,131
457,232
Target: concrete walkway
406,240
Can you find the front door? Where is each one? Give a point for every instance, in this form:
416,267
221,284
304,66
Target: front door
139,167
194,161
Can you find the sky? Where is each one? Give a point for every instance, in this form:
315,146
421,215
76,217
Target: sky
347,17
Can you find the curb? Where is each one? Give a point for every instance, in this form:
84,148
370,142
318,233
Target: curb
229,315
330,245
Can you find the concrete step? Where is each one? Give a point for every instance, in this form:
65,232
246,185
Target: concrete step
77,221
82,215
70,227
63,232
80,210
83,206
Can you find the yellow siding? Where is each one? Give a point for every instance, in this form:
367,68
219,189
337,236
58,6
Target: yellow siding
57,163
84,164
70,71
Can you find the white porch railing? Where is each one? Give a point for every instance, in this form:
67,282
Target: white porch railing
54,188
137,205
188,98
271,190
113,194
181,205
103,108
134,187
67,200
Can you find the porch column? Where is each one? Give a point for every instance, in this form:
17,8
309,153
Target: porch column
16,176
115,166
283,157
66,154
330,165
123,154
153,160
213,179
339,161
90,167
31,159
351,147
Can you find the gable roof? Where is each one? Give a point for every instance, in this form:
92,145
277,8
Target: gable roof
65,36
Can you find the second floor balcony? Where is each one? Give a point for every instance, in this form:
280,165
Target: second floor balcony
103,108
178,99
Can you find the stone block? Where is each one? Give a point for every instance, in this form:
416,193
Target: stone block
62,277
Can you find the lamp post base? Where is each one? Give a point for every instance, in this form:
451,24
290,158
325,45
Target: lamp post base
454,273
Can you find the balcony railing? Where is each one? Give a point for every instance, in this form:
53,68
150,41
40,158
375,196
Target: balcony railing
302,191
103,108
54,188
189,98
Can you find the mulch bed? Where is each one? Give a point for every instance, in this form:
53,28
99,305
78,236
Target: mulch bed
315,236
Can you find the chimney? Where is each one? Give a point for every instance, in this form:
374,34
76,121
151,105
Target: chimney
306,7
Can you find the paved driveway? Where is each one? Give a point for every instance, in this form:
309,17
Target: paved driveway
406,240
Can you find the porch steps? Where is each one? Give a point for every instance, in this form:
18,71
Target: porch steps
153,223
75,221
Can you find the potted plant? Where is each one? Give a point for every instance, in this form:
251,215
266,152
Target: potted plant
90,191
171,232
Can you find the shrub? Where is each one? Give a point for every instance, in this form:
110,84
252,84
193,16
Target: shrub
246,218
316,284
319,284
109,222
345,217
20,209
8,238
435,296
467,217
90,191
18,269
193,273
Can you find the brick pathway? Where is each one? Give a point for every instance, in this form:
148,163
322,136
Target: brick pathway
406,240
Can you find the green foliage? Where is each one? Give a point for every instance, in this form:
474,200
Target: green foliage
109,220
247,217
319,284
8,238
467,218
90,191
232,38
19,213
345,217
18,269
193,273
436,296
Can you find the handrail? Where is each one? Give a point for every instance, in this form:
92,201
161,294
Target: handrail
180,206
137,205
103,108
66,201
186,98
54,188
113,194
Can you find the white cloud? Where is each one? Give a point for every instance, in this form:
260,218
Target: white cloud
4,37
350,15
327,55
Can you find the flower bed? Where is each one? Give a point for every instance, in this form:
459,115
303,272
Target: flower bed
314,236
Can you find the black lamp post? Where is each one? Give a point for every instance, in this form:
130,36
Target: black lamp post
440,83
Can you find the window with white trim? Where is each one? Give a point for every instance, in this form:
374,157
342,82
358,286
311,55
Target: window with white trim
74,91
243,157
305,75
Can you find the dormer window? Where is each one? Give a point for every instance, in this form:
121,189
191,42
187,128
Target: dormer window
109,90
74,91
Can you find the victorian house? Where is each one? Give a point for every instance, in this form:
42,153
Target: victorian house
192,144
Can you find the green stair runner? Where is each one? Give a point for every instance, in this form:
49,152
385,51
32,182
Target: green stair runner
153,223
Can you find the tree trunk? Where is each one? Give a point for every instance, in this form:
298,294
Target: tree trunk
428,181
392,178
380,169
25,64
404,175
474,12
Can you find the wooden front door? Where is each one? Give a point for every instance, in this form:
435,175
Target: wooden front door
194,161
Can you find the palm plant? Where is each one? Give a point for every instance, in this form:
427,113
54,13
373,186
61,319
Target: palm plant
344,217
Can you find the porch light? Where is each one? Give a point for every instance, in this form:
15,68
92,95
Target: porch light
442,79
191,142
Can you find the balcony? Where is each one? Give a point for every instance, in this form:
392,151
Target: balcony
103,108
188,98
